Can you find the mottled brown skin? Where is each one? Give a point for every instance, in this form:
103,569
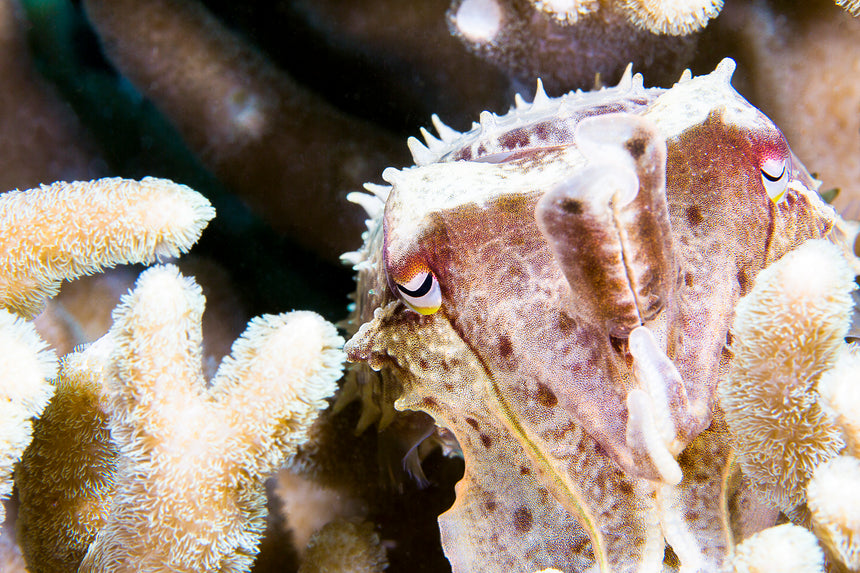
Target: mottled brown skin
530,374
726,230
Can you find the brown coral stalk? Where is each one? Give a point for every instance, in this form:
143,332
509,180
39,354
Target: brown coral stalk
292,156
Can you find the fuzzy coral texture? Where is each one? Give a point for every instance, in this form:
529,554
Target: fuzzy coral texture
787,331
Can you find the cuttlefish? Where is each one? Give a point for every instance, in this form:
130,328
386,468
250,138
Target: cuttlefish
555,287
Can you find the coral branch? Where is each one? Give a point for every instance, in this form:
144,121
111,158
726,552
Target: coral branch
853,6
65,230
344,547
677,17
292,156
570,44
787,548
840,396
67,476
834,500
25,367
787,331
190,493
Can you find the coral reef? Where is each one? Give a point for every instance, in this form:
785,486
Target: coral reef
291,105
154,479
26,367
117,221
67,477
787,548
675,18
790,397
60,232
853,6
834,502
344,546
254,126
528,43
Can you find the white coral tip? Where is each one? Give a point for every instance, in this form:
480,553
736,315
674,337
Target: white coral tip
786,548
479,21
833,497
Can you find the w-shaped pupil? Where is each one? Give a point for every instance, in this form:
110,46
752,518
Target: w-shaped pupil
423,289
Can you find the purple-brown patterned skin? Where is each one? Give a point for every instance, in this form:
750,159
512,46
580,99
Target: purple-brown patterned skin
556,286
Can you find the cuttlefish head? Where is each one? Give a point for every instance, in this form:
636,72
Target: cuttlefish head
598,277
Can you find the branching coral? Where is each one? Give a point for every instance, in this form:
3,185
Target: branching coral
60,232
853,6
25,368
569,48
834,501
677,17
67,476
787,548
787,331
344,547
181,485
840,396
114,221
193,459
292,156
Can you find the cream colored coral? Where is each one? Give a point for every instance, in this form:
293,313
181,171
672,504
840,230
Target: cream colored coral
853,6
308,505
26,367
190,493
833,497
344,547
785,549
839,390
673,17
787,331
67,476
65,230
567,11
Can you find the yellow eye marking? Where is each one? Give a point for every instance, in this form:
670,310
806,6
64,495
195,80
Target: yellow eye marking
421,293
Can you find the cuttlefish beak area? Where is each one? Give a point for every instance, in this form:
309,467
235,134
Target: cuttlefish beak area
609,230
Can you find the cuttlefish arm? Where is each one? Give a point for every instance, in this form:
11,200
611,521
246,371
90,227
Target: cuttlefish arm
608,227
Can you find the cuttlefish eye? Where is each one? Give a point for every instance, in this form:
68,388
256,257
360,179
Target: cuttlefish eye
774,176
421,293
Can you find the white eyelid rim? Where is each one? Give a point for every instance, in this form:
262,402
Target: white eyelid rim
775,168
415,281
